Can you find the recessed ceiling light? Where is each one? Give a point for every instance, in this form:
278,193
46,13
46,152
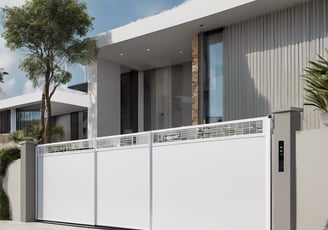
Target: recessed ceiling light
121,54
180,52
148,49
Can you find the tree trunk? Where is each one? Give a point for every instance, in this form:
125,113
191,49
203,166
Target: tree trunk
46,113
43,105
47,130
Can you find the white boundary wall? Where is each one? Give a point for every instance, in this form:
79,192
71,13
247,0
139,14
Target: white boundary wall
213,176
311,179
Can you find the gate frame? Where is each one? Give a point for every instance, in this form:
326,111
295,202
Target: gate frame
285,123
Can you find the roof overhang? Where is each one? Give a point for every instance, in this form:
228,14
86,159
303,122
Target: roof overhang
165,39
63,102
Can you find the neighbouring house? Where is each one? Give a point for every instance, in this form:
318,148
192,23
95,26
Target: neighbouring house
206,61
69,109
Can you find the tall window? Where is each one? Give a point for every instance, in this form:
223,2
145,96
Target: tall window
75,126
129,102
5,121
26,119
211,75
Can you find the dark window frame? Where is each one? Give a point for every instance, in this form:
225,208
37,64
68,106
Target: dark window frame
202,71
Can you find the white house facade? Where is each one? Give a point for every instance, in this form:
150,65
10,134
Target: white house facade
203,62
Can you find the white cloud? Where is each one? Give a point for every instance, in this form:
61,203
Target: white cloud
6,87
28,87
8,58
11,3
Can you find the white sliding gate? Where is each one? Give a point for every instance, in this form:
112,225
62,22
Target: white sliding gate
213,176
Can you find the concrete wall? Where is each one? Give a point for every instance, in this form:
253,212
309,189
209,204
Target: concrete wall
12,186
286,123
92,92
312,179
105,102
140,101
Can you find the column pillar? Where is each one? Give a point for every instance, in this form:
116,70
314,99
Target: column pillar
92,92
28,182
140,101
286,123
13,120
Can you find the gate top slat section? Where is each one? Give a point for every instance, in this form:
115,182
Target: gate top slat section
127,140
216,130
69,146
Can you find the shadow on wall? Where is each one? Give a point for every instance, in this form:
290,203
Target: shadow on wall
265,57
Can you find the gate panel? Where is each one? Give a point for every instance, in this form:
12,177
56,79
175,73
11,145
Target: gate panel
123,188
214,183
66,187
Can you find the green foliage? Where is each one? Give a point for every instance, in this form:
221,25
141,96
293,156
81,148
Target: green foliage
34,133
4,205
7,156
17,136
316,84
57,133
51,31
326,226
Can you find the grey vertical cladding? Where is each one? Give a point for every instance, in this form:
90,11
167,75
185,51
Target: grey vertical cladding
265,57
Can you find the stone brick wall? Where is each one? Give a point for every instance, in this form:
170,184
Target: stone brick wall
195,58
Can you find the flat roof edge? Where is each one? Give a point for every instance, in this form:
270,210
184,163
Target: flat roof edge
176,16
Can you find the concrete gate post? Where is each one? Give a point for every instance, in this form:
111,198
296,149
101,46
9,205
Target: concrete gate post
28,181
286,123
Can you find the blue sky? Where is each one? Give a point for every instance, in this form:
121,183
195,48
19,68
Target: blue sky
108,14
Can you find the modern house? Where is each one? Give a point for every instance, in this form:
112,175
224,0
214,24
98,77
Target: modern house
206,61
220,62
69,109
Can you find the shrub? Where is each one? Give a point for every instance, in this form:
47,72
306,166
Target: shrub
34,133
316,84
57,133
18,136
4,205
7,156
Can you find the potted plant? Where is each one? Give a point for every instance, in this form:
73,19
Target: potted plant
316,86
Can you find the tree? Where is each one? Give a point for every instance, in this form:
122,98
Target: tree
51,31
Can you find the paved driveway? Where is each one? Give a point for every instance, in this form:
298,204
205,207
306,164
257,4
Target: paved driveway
12,225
